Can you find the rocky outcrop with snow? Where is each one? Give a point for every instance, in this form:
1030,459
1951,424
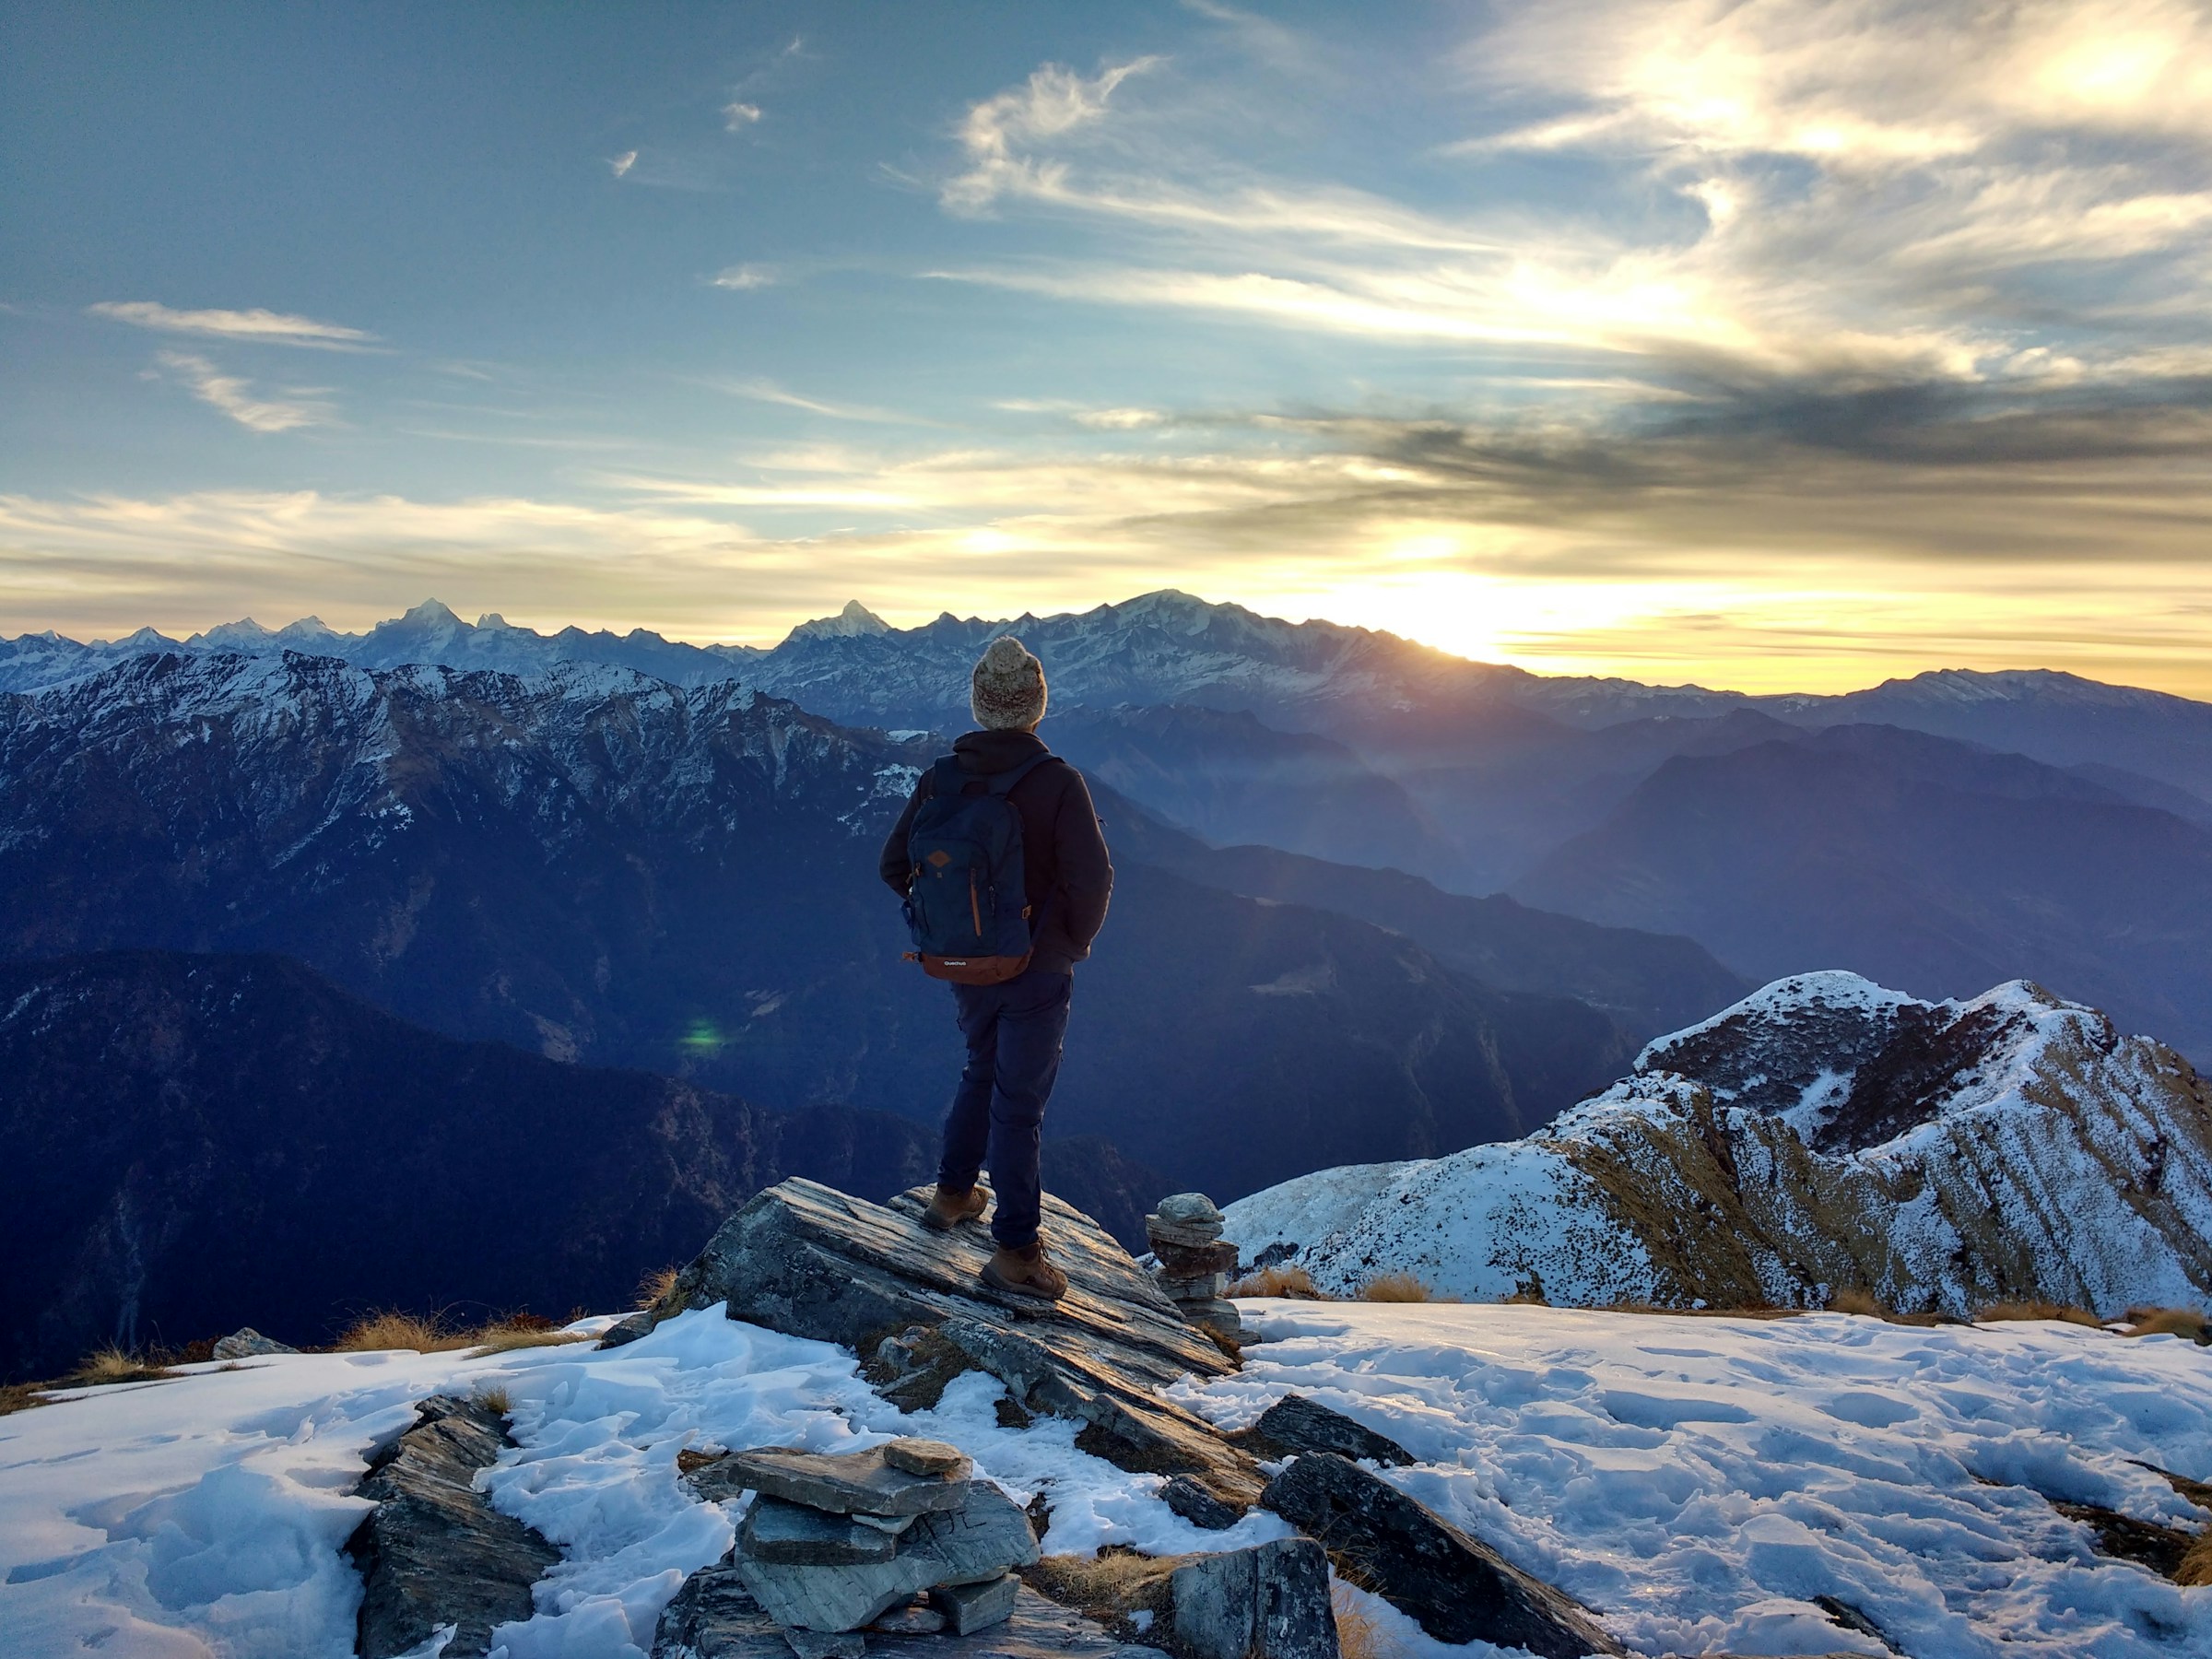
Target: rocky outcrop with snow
1823,1134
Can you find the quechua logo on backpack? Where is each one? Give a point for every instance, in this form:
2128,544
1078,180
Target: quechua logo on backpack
967,904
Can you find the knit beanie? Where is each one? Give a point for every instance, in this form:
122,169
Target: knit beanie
1007,691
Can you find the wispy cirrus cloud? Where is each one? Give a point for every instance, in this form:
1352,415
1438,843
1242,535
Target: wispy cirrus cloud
741,278
767,392
621,164
1828,191
237,398
255,327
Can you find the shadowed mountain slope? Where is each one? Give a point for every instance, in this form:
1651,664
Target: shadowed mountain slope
193,1143
1649,982
1925,863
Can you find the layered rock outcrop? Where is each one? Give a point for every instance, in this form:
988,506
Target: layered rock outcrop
1822,1134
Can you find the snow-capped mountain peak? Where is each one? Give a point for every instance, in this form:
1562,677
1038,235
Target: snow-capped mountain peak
856,621
1824,1132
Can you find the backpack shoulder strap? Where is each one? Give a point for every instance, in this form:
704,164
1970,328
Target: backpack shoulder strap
1002,783
946,776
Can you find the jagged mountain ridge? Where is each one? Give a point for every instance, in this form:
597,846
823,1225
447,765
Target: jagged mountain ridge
1168,647
1824,1134
609,868
1493,754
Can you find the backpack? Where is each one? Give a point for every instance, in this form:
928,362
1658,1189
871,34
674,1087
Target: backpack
965,903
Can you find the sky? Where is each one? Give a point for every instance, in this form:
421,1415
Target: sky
1776,345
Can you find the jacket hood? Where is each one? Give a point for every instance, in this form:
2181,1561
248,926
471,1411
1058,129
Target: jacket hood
984,753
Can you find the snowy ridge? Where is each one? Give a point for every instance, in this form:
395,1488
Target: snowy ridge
348,740
1824,1132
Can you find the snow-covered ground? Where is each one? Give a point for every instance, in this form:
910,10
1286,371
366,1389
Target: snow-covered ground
1698,1481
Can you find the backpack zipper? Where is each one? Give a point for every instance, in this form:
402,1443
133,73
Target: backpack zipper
974,908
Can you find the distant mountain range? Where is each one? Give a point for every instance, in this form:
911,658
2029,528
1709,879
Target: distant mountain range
608,869
1579,795
1168,648
1822,1136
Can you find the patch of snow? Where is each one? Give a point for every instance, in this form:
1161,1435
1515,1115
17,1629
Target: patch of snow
1696,1481
1699,1480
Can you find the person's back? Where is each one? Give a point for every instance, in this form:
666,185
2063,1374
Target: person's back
1014,1025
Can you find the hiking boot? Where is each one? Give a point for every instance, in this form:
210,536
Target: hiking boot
949,1208
1025,1272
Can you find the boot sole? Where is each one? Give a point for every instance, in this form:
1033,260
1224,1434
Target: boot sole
930,1220
1018,1287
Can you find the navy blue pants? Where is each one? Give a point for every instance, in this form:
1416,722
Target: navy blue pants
1014,1032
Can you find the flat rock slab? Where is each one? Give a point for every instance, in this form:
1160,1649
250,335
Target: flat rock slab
809,1261
434,1551
979,1541
776,1531
1456,1587
714,1617
972,1607
1271,1601
841,1483
1294,1425
928,1457
1197,1505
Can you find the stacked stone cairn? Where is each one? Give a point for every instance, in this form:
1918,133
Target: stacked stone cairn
1193,1262
899,1539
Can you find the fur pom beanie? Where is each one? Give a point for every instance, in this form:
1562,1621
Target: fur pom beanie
1007,689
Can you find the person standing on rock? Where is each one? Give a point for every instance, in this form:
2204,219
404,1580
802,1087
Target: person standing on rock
1006,878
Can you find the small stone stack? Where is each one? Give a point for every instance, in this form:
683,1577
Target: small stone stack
898,1539
1195,1264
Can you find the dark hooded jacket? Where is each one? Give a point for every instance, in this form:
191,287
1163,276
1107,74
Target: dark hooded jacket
1064,865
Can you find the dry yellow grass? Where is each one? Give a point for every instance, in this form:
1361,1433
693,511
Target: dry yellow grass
656,1288
1294,1283
2064,1313
1862,1302
113,1364
1397,1288
1357,1636
22,1397
389,1328
2196,1566
501,1339
2169,1322
496,1399
1111,1586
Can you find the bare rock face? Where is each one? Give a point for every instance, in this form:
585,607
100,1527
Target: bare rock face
246,1343
714,1617
840,1484
1823,1134
979,1541
774,1530
810,1261
1268,1603
1197,1505
972,1608
1294,1425
434,1551
1459,1589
